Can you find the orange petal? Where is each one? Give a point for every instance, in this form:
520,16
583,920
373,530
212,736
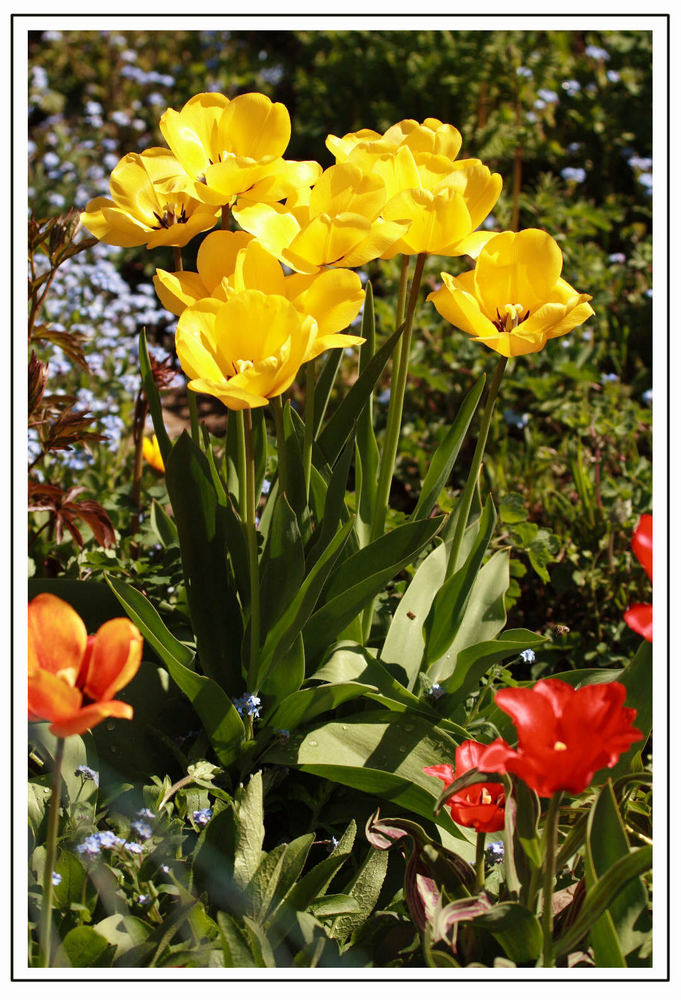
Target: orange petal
51,697
114,659
57,637
89,716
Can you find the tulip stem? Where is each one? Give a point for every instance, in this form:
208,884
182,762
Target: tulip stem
51,851
310,382
397,393
177,257
253,570
278,411
480,862
550,841
241,462
464,507
395,408
194,417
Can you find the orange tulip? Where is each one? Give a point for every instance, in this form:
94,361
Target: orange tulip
72,676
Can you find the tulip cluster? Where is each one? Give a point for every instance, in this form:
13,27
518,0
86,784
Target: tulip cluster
400,192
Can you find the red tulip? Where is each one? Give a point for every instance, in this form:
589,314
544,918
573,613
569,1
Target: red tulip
564,736
639,617
481,805
72,676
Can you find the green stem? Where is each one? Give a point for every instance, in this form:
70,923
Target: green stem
310,382
224,217
397,392
394,422
253,570
278,411
550,840
464,507
194,417
241,463
177,257
51,851
480,862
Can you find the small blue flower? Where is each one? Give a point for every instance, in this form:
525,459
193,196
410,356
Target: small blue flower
617,258
531,117
571,87
550,96
146,814
202,816
609,377
248,704
383,397
89,846
87,774
141,828
524,71
577,174
332,844
495,851
518,420
266,486
133,847
613,76
528,656
490,222
56,878
436,691
647,396
142,899
640,163
108,839
595,52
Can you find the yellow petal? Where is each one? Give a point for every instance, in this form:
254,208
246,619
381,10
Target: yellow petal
112,225
325,240
518,268
253,126
342,146
273,225
217,256
283,179
256,267
234,397
459,306
436,220
334,298
344,189
133,191
330,341
479,188
195,341
179,290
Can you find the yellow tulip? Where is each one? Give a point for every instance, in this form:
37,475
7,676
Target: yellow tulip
338,222
514,300
230,146
152,453
145,209
246,350
444,199
232,262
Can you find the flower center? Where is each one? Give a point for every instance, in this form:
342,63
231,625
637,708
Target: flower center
511,317
485,798
241,366
168,218
559,745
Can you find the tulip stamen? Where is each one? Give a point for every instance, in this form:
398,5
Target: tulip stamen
512,317
559,745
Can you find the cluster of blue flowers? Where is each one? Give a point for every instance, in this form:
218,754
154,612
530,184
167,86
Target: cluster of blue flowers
93,844
248,704
528,656
495,851
435,691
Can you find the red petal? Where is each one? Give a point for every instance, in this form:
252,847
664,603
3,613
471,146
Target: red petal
640,618
642,543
